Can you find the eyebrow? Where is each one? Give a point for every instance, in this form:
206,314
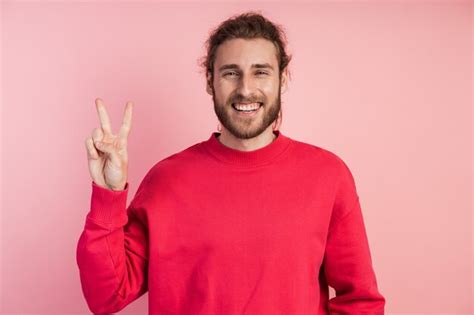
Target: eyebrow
255,65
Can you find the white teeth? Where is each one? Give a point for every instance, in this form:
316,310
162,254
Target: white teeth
251,106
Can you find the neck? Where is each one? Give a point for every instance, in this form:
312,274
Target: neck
260,141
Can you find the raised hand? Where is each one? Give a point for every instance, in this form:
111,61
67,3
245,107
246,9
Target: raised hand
107,153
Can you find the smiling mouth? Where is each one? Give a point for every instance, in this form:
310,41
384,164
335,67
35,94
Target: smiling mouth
247,111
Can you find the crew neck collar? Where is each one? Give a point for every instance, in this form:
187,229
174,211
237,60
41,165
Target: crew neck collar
239,158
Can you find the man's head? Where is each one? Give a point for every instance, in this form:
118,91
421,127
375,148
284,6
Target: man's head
246,62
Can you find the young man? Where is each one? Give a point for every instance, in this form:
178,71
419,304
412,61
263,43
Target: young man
249,221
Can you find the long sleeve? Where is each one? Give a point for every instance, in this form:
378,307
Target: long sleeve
112,251
348,263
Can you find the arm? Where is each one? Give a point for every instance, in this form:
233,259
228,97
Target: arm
112,251
347,262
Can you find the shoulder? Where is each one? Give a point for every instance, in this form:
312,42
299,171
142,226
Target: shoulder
324,157
325,165
335,172
174,165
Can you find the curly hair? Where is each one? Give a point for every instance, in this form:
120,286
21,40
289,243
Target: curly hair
246,25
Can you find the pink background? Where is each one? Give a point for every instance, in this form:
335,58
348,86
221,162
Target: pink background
385,85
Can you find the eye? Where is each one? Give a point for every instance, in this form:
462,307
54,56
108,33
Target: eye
226,74
234,73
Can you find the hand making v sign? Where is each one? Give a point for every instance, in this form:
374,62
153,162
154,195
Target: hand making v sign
106,152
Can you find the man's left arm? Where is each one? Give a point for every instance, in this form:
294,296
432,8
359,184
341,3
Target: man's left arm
347,262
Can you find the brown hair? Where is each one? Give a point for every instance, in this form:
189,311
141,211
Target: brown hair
247,25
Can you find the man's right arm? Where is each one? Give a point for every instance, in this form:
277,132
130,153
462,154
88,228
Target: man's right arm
112,251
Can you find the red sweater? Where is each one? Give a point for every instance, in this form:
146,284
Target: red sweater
214,230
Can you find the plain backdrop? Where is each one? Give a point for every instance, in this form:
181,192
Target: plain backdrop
385,85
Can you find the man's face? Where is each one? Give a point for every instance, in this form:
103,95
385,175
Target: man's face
246,71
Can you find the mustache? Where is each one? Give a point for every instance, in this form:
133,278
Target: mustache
242,100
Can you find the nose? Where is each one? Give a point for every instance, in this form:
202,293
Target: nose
245,86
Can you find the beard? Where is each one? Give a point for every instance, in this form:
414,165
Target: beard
247,127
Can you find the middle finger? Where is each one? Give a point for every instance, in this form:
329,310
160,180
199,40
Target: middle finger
103,116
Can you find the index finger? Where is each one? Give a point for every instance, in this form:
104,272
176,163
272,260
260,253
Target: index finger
127,121
103,116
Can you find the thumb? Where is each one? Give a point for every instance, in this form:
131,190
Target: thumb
104,147
110,150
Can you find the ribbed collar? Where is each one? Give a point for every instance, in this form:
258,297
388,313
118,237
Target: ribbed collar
238,158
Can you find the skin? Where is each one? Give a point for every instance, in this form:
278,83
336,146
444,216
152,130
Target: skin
107,152
247,84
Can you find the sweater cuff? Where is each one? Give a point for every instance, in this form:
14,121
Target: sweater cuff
108,206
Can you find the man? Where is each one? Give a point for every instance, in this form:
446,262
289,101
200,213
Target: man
249,221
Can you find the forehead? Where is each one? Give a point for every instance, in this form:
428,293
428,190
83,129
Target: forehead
245,52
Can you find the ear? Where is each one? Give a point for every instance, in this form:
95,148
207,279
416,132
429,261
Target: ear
284,80
208,84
